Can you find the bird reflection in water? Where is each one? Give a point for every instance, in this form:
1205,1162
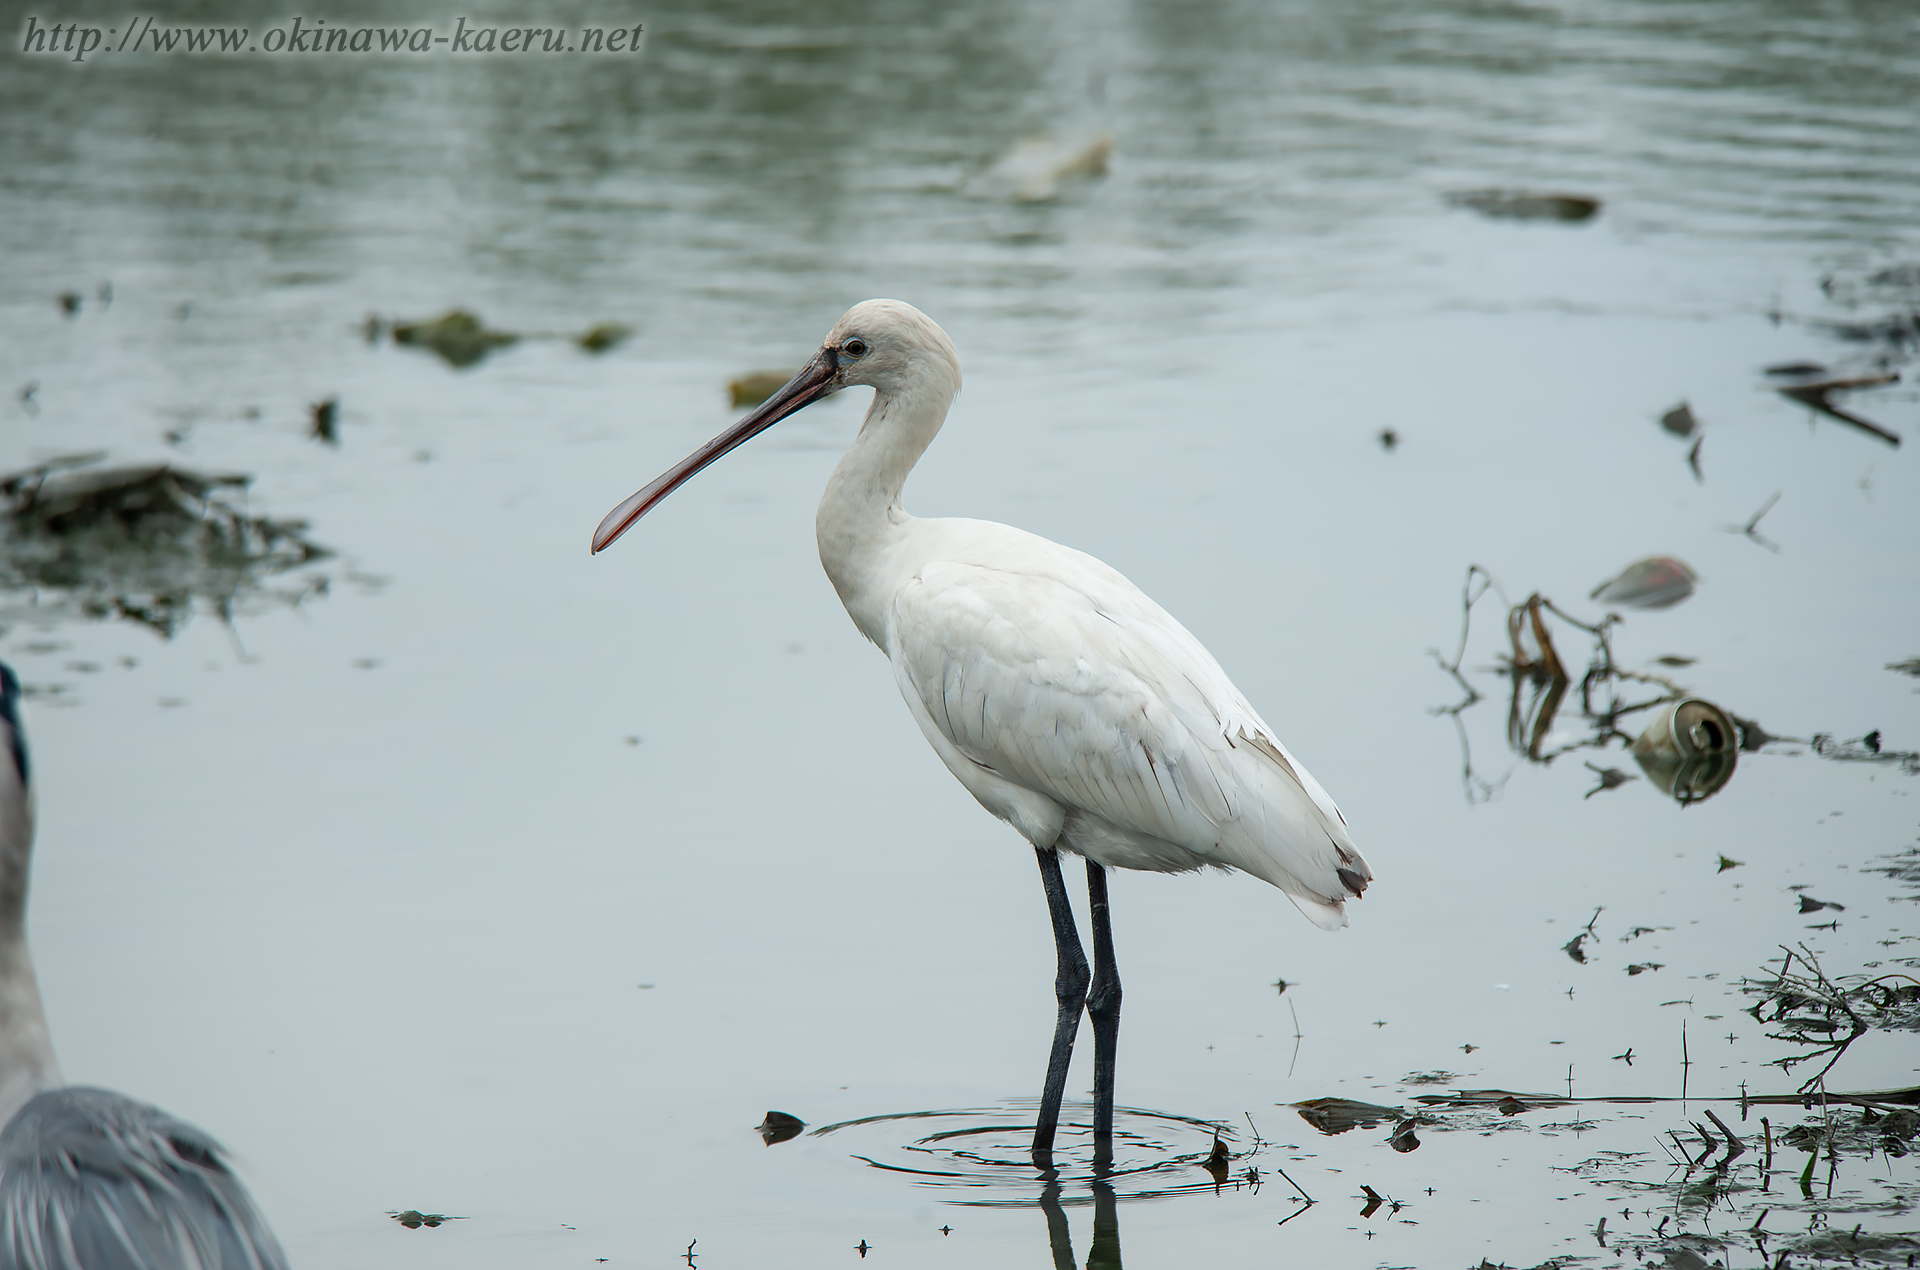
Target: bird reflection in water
1105,1252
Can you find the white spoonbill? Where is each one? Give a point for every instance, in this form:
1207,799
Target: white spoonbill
1068,703
91,1179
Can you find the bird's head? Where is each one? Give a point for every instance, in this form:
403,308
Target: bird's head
887,345
891,346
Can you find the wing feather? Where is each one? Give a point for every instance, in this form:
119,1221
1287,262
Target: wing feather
92,1180
1053,672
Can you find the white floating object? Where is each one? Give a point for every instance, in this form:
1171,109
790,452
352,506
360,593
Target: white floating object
1658,582
1032,171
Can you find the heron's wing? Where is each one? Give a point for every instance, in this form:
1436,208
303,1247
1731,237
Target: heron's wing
1057,674
92,1180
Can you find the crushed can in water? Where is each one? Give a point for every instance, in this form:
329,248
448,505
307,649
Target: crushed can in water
1689,749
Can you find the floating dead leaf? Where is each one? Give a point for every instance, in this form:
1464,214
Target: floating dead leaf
457,337
1680,421
1657,582
1374,1200
1504,204
779,1127
1676,662
1511,1106
141,542
1810,905
599,339
1338,1115
414,1219
1035,168
1645,966
324,421
1218,1161
756,386
1403,1139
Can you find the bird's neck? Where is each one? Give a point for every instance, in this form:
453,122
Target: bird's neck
27,1064
861,518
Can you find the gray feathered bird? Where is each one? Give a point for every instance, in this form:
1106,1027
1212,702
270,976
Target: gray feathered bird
91,1179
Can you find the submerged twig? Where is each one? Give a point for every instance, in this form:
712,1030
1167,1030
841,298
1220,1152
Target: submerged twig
1751,528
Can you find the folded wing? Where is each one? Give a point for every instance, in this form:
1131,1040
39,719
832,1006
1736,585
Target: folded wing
1053,672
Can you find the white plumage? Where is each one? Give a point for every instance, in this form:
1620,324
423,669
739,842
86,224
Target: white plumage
1078,710
1067,702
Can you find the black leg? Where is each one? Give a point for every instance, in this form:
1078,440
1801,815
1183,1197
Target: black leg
1070,989
1103,1007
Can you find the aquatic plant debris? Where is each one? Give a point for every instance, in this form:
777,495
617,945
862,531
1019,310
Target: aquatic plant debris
1504,204
1863,750
143,543
778,1126
1680,421
1339,1115
1819,395
1610,778
756,386
461,339
1811,1010
1541,684
414,1219
1657,582
1217,1161
324,421
457,337
598,339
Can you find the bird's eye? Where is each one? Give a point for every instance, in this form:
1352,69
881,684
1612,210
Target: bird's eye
855,347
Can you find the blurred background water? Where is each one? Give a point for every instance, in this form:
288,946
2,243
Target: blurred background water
496,881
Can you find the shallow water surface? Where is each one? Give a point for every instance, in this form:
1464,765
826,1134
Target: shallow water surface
454,872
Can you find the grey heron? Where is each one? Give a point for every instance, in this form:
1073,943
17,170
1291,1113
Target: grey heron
91,1179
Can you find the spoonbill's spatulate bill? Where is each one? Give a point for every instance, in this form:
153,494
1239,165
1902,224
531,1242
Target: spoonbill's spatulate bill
1068,703
91,1179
